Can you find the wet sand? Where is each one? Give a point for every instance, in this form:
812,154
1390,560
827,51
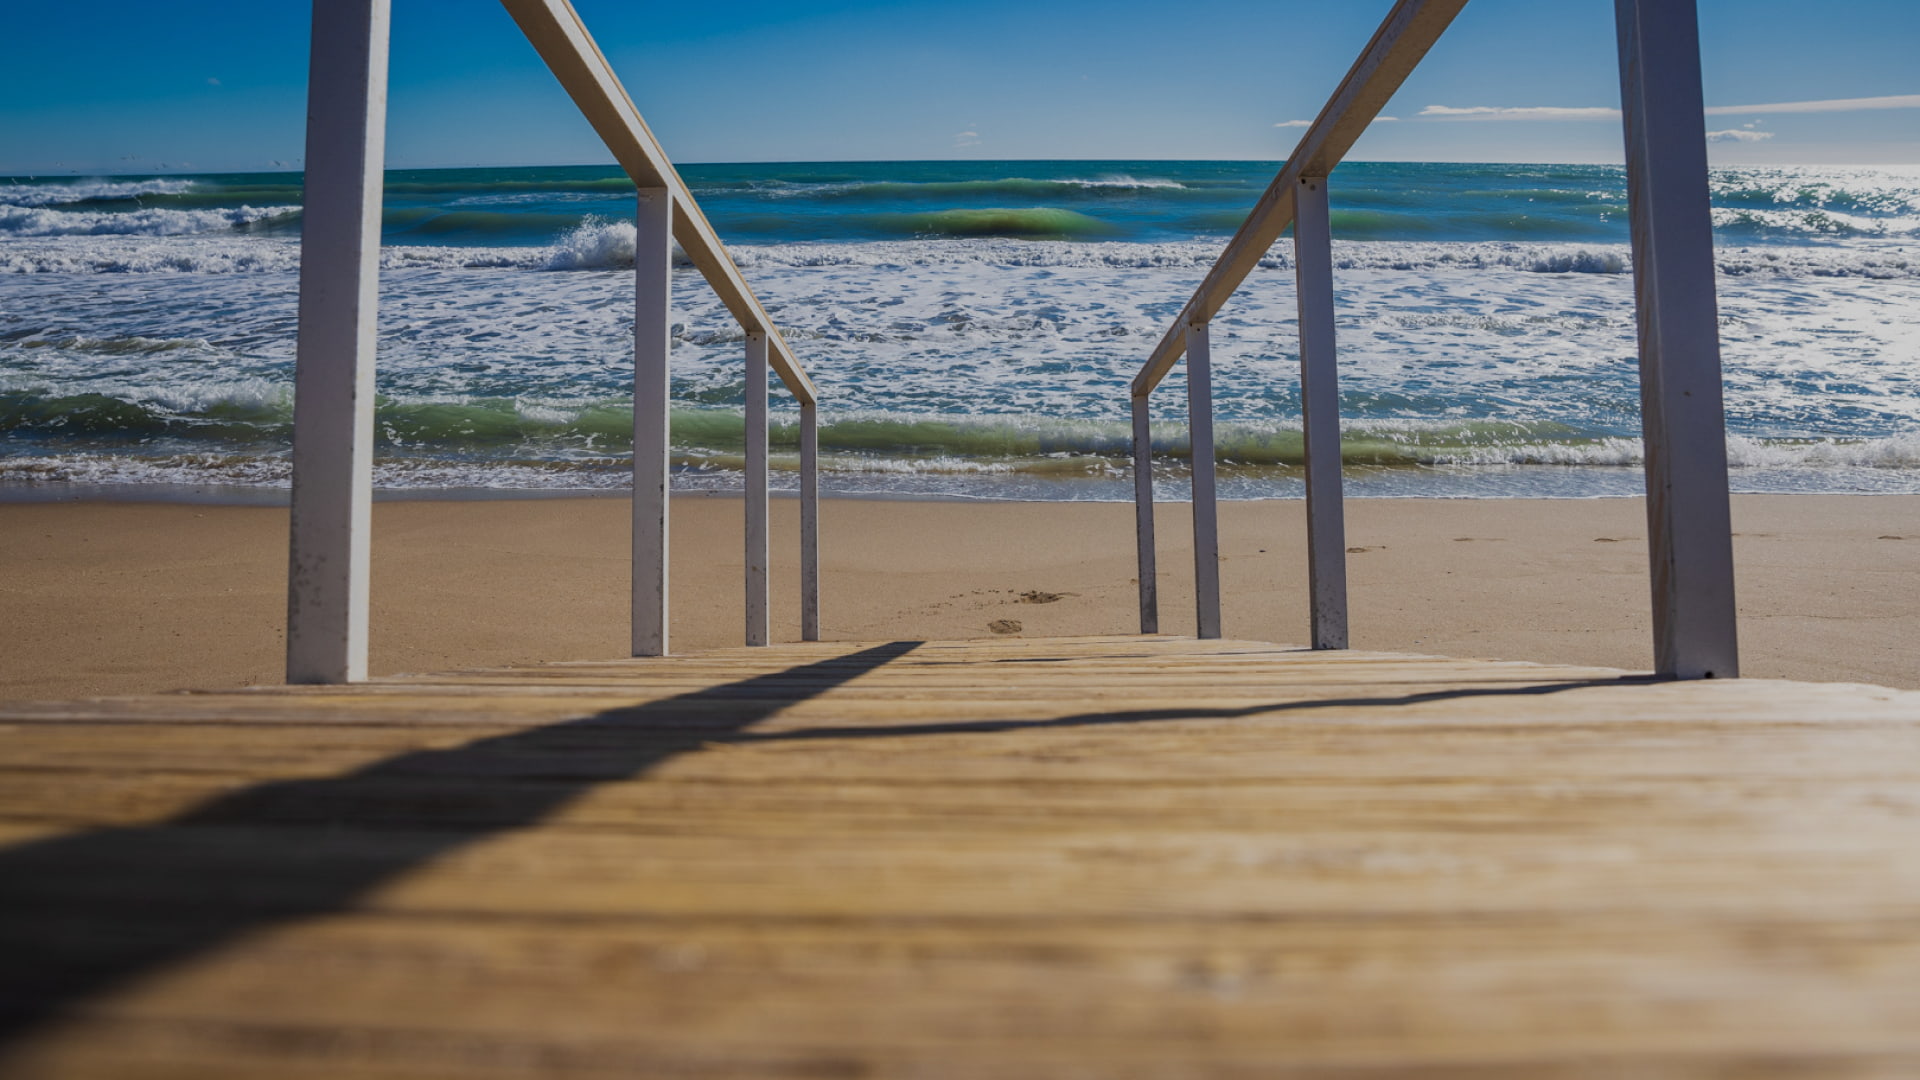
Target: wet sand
114,598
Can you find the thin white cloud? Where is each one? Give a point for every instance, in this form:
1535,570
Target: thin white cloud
1896,101
1739,135
1309,123
211,81
1557,112
1531,112
966,138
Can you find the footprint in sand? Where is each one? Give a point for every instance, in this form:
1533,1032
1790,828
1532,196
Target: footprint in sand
1037,596
1004,626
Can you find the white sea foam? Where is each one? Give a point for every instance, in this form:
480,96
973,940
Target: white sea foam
68,192
38,221
1873,466
594,245
1124,182
1815,223
1896,452
1028,346
122,247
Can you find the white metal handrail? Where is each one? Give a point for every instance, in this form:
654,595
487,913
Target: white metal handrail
1683,418
327,592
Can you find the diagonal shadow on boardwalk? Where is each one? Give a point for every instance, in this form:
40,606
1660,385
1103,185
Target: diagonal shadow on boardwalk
295,849
1146,716
290,850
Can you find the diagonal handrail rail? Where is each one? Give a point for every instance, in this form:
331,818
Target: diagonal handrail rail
557,33
562,40
1298,191
1683,417
1400,43
328,603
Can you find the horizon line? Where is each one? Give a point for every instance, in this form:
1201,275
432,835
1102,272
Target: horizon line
615,166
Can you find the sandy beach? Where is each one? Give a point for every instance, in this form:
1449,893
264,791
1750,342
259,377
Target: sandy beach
117,598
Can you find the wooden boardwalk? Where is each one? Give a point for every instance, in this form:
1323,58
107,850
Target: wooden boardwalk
1091,857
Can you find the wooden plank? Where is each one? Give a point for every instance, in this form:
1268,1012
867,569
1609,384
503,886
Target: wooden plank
1320,415
1143,515
556,32
1206,512
1683,420
1106,854
1404,37
652,421
756,556
330,536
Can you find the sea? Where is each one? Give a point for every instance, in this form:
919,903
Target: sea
972,327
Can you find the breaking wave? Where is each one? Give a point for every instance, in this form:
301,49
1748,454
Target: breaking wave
257,411
600,244
41,221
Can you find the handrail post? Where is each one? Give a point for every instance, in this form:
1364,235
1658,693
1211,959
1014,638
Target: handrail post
652,418
1320,414
809,522
1143,514
1683,419
1206,519
758,631
330,538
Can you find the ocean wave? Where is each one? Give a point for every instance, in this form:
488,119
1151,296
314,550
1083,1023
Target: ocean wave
1892,452
601,244
594,245
100,254
475,226
1773,224
258,412
608,185
127,345
1032,222
1136,201
1430,221
1873,193
38,222
897,190
82,191
1041,479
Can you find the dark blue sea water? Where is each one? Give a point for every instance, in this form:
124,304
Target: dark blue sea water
972,325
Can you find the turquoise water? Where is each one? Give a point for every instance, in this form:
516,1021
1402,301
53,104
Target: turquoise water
973,326
1099,200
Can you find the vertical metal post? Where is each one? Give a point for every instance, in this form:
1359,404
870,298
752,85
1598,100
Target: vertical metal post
758,632
652,415
809,522
1683,421
1206,514
329,543
1320,414
1143,515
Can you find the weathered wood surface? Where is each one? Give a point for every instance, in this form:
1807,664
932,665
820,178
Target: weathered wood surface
1099,857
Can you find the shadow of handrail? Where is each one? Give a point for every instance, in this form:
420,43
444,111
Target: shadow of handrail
289,850
1145,716
233,865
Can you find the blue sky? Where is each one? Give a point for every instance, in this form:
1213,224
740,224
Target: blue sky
200,85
